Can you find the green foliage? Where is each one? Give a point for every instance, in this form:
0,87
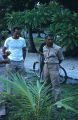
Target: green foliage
63,22
35,17
38,42
71,91
15,5
65,25
5,34
15,19
32,101
38,17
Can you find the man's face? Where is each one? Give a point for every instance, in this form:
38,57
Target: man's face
16,34
49,41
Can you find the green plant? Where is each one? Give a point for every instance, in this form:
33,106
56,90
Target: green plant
32,101
3,36
38,42
64,24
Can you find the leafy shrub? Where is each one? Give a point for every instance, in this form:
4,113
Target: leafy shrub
3,36
32,101
65,25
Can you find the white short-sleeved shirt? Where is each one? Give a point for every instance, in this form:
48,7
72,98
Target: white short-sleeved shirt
15,47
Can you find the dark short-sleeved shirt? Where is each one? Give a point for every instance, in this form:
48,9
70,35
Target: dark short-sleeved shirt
41,47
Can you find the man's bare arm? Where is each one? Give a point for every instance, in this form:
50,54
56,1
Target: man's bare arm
4,49
4,61
24,52
4,52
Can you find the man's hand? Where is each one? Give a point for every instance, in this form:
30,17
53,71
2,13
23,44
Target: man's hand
5,61
7,53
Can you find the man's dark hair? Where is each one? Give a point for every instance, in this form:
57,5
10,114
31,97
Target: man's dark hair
49,35
16,28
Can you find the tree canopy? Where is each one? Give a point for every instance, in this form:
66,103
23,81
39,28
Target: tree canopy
61,20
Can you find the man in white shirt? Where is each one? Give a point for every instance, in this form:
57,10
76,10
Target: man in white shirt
17,47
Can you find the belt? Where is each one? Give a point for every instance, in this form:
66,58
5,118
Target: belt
15,61
50,63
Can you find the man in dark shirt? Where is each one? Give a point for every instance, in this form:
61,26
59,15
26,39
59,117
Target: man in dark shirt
41,57
41,47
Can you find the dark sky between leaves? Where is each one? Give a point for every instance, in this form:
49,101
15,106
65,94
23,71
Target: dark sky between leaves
71,4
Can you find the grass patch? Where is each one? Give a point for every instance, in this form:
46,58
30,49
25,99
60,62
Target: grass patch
69,91
37,42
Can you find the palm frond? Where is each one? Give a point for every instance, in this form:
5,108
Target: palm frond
63,103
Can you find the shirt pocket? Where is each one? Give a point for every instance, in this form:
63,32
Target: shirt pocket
45,52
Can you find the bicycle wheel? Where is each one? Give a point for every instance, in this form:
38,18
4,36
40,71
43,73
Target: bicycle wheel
63,75
34,65
62,72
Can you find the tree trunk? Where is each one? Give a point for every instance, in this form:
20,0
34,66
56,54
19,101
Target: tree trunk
31,48
39,36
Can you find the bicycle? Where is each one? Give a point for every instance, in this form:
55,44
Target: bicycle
62,73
